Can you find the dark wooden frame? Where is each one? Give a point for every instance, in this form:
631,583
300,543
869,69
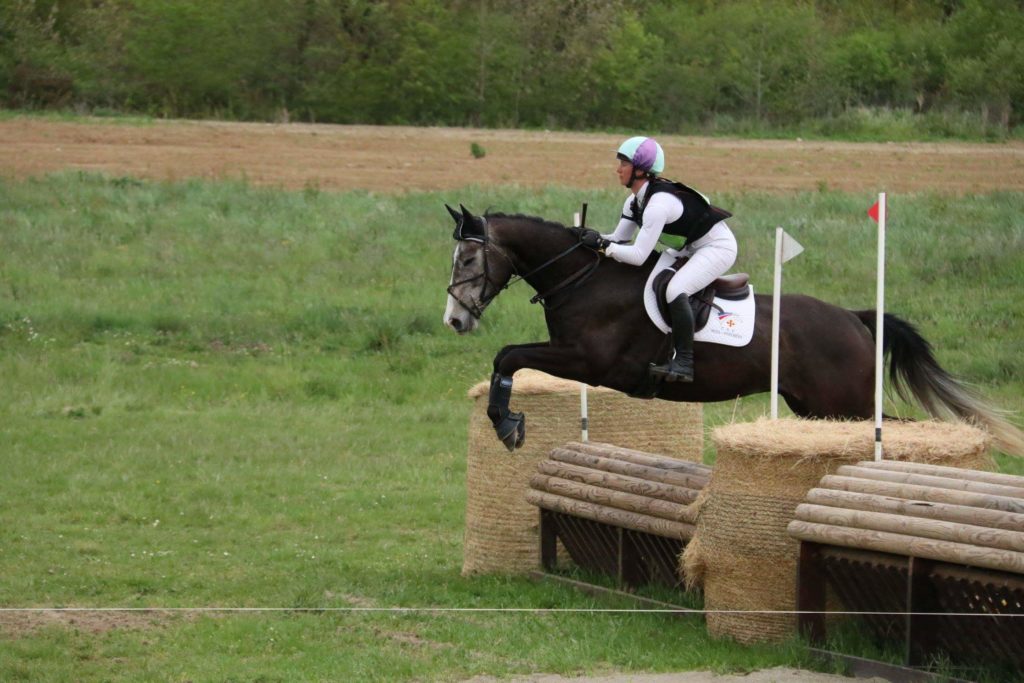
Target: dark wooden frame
972,616
631,558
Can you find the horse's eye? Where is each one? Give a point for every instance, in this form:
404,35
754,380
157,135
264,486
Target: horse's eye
469,261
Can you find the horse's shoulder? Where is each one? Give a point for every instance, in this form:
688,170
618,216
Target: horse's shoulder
623,276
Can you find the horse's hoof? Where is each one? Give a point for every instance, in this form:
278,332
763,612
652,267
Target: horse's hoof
512,430
521,432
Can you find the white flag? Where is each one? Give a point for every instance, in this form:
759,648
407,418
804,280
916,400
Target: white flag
790,247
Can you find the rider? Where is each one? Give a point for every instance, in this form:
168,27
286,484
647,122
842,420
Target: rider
687,225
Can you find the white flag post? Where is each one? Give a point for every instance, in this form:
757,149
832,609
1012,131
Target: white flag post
584,419
785,248
879,325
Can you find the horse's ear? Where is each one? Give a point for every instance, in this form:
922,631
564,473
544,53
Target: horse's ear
471,227
455,214
459,222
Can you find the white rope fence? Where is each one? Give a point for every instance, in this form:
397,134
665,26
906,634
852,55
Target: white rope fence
512,610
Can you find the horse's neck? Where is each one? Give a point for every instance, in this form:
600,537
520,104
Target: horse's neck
532,244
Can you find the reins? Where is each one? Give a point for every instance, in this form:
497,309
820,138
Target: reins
575,280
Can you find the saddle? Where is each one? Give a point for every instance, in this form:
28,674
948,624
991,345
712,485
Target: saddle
732,287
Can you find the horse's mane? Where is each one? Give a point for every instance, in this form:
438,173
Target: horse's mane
523,217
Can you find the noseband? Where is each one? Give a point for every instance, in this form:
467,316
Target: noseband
476,309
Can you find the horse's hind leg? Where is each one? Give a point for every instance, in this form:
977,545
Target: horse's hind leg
827,386
830,401
828,370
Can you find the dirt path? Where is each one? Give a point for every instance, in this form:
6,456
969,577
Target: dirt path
776,675
396,159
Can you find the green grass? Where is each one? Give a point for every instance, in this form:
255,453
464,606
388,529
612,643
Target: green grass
861,124
218,395
867,124
93,116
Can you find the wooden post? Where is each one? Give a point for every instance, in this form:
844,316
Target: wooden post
810,593
631,574
548,541
921,601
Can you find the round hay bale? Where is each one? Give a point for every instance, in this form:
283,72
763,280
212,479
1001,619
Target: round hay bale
764,469
501,527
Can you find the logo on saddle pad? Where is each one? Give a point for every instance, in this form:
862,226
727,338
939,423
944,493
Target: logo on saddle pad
728,319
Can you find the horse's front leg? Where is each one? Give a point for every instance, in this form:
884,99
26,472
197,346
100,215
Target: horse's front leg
562,361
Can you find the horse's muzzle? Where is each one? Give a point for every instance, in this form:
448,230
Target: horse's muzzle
461,326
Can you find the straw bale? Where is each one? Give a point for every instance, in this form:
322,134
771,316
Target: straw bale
925,442
763,471
530,382
501,527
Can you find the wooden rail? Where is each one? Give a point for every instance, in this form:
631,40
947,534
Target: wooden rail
941,547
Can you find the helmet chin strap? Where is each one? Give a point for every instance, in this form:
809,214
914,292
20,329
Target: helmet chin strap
635,175
638,176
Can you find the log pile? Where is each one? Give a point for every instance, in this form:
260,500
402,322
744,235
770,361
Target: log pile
621,487
502,529
946,514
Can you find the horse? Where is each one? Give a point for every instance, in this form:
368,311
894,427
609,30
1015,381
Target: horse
600,334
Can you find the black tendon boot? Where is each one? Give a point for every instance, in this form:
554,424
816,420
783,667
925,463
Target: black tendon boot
680,368
510,427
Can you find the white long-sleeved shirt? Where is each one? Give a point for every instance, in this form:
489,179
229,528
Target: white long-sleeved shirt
662,209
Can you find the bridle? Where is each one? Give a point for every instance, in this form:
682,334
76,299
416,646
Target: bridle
476,308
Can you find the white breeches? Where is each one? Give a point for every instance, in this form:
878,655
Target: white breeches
710,257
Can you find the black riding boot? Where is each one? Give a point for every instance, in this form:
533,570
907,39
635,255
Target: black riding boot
680,368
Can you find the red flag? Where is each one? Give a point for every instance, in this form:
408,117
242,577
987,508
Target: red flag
873,211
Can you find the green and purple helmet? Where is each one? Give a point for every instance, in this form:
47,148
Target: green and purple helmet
644,153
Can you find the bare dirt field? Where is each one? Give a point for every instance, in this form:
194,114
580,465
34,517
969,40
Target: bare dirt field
400,159
776,675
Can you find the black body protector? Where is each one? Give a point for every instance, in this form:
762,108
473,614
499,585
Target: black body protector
699,216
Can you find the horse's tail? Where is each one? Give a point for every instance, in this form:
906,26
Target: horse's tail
915,373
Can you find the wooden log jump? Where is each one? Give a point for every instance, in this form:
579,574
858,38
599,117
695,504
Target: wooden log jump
912,546
943,471
619,518
619,480
961,514
938,513
596,462
940,482
630,502
640,458
957,536
939,530
925,493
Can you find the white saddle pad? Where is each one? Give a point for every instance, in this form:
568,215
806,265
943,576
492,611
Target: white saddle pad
734,326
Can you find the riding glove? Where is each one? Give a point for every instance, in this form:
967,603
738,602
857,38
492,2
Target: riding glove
592,238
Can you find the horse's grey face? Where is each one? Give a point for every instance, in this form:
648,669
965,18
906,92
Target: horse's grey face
466,289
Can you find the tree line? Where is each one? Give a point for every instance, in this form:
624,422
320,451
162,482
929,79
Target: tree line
656,65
